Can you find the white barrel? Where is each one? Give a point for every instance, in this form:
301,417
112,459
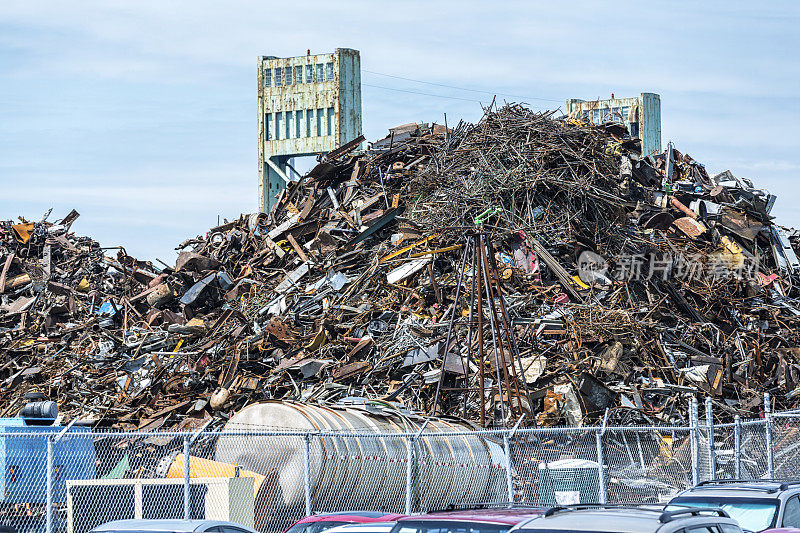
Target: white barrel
364,472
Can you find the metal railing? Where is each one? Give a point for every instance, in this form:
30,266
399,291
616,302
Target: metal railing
71,480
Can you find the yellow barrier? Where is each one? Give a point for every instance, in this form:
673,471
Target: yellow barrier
199,467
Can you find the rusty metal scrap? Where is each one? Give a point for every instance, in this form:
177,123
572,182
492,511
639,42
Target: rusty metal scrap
527,265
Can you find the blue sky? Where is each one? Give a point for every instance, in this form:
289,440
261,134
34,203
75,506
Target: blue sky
143,115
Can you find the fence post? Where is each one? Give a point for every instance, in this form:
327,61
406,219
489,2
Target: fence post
507,435
509,480
712,452
694,440
410,465
409,459
601,473
768,431
307,472
49,486
186,501
737,446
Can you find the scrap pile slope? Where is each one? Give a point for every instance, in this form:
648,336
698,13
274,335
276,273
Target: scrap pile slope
525,264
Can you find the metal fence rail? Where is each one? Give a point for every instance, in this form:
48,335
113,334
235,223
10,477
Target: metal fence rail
70,481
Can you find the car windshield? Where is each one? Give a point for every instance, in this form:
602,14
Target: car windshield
133,531
752,514
447,526
315,527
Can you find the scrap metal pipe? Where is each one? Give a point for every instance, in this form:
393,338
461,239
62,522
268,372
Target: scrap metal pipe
368,471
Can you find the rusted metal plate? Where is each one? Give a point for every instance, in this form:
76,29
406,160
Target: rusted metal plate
690,226
350,370
740,224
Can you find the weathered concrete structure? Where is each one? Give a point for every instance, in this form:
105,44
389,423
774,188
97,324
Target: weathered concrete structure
641,114
307,105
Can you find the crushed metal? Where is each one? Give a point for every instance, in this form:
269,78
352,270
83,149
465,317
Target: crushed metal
525,265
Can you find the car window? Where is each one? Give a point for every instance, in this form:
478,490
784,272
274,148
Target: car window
729,528
571,530
315,527
791,512
754,514
446,526
215,529
231,529
710,528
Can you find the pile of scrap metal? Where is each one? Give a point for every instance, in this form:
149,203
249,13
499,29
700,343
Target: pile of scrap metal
524,265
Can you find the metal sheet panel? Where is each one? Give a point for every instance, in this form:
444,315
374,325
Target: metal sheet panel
650,123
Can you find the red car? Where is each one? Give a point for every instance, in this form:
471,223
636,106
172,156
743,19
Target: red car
482,520
320,522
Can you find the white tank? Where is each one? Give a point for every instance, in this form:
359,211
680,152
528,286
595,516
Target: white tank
362,473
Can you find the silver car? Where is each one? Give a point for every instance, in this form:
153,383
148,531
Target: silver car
620,519
368,527
757,504
172,526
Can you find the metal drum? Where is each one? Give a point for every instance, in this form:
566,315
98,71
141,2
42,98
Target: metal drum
361,470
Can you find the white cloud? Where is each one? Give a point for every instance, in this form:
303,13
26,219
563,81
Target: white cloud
144,113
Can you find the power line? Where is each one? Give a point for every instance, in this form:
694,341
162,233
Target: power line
429,94
418,92
459,88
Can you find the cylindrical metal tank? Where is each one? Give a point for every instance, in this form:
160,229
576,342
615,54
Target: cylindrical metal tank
363,472
39,413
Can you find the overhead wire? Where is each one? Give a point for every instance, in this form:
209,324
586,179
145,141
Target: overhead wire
419,92
457,87
431,94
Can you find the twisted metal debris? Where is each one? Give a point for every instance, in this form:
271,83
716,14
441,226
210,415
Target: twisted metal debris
525,266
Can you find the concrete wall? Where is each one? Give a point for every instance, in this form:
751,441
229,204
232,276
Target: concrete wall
318,110
641,114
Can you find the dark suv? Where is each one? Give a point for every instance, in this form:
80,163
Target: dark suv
757,504
594,518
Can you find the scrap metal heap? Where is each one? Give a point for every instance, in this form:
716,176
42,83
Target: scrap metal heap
525,264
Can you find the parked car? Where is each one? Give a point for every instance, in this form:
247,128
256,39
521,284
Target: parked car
324,521
468,520
369,527
757,504
622,519
172,526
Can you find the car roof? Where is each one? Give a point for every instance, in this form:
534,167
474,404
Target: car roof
724,486
726,493
378,527
619,519
164,525
356,517
510,516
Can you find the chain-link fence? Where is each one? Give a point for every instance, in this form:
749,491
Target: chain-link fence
69,480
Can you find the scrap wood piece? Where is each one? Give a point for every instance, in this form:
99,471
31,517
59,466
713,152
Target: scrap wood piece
345,148
406,270
351,370
297,247
407,248
292,278
3,275
560,272
690,226
379,224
